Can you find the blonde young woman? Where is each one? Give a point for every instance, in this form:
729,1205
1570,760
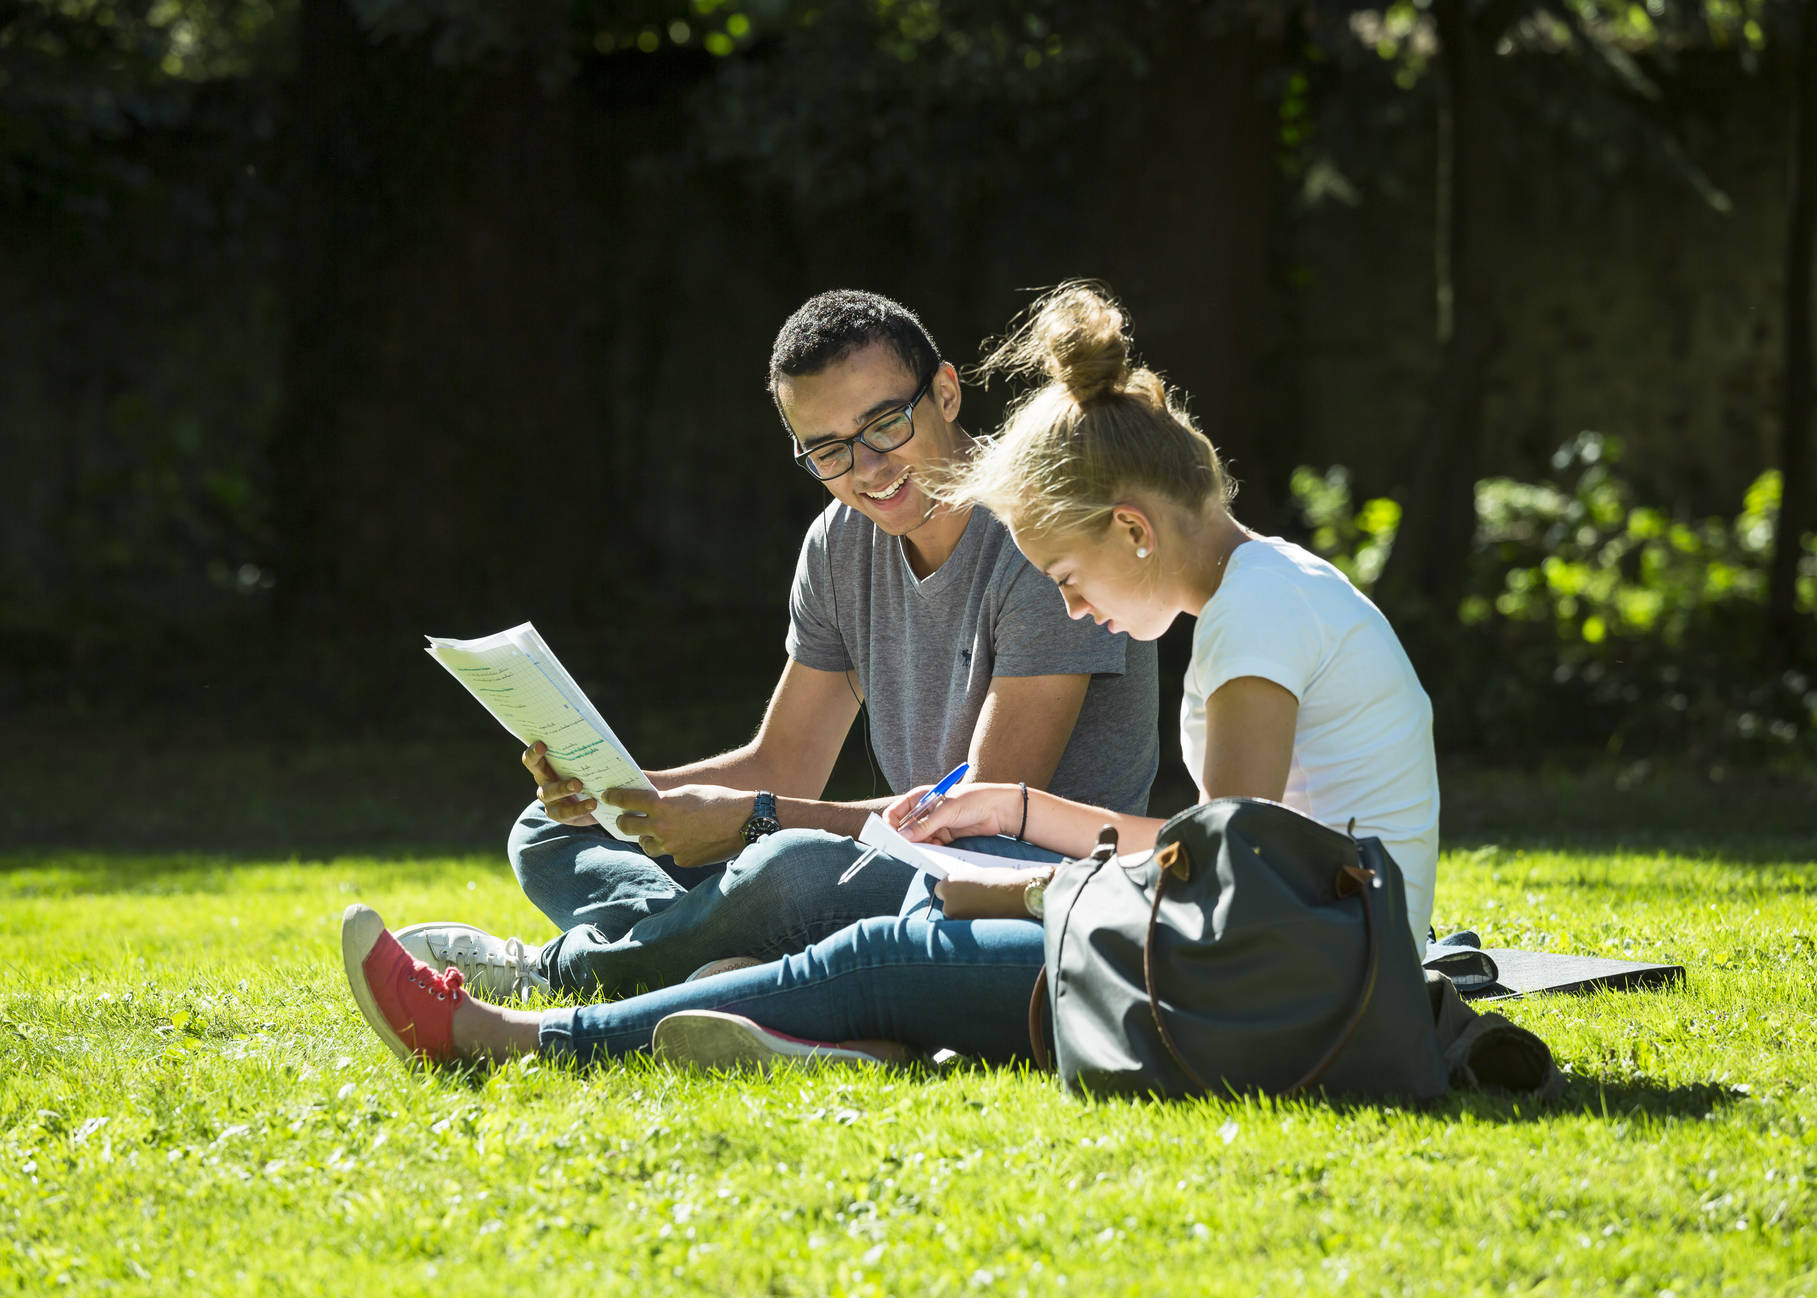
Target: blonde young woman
1298,691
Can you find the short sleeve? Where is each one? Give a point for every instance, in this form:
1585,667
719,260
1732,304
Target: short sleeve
814,639
1255,626
1033,634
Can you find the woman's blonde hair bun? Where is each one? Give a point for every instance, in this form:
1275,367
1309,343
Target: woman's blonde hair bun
1076,336
1096,429
1084,341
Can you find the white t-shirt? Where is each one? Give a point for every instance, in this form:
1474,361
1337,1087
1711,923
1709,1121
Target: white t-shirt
1362,745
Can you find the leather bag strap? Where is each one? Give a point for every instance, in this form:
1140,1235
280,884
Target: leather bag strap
1351,879
1105,850
1037,1024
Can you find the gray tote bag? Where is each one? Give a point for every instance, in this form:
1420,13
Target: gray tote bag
1255,950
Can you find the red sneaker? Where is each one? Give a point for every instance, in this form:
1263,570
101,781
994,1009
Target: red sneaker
407,1003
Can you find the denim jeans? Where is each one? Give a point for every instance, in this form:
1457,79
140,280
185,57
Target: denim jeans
631,922
917,978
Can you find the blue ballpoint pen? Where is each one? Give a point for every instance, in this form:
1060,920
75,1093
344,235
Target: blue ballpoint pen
929,801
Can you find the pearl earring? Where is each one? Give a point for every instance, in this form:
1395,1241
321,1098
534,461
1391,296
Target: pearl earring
1141,552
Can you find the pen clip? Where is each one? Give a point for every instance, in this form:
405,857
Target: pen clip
870,854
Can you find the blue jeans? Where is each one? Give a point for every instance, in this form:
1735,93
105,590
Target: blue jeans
631,922
917,978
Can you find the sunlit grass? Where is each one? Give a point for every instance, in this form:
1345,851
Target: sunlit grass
189,1103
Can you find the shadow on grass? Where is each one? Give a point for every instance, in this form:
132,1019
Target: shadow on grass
1591,1097
1739,846
1596,804
67,873
1788,871
1599,1098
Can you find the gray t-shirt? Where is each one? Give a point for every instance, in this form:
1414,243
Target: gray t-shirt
925,652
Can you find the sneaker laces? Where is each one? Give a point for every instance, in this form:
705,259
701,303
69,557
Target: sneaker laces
511,955
446,985
523,968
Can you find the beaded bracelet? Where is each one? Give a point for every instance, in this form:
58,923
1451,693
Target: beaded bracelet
1023,785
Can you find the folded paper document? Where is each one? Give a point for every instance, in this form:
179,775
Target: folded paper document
521,682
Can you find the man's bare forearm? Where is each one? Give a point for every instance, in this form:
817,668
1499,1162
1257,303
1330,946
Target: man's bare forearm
834,817
740,768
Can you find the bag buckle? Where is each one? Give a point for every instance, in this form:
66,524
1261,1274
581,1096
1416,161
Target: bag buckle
1175,861
1354,878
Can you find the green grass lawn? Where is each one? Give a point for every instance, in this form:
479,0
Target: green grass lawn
190,1103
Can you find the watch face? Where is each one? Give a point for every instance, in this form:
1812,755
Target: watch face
1034,896
762,819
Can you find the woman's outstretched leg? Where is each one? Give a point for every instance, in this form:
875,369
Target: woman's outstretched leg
956,984
959,984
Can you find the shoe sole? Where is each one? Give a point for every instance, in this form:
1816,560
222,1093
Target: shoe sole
730,964
360,931
713,1041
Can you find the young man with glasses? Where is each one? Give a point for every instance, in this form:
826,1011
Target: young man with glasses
928,616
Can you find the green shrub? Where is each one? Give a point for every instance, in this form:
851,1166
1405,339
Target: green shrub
1589,617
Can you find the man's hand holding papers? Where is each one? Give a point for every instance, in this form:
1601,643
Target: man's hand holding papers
564,799
520,681
696,824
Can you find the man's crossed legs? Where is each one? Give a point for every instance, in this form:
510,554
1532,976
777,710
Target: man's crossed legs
630,922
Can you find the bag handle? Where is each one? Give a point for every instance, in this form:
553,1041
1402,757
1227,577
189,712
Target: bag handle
1352,878
1104,851
1037,1024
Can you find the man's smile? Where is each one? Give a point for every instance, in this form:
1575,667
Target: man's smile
889,492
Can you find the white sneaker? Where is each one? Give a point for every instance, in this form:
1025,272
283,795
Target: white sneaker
499,969
708,1039
727,964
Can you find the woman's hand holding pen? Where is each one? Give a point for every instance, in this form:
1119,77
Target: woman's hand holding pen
971,810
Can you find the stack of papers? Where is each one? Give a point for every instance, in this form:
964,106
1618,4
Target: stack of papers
523,684
929,858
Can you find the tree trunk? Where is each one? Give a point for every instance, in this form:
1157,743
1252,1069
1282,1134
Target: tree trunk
435,366
321,286
1226,267
1796,501
1194,191
1425,574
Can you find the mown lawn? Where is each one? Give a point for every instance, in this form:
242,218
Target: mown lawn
189,1103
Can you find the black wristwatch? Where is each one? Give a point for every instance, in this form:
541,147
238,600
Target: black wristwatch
763,819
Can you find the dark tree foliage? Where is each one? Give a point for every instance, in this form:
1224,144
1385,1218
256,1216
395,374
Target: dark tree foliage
1487,109
351,319
1798,499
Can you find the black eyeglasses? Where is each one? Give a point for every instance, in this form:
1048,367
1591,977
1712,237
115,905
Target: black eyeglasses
832,458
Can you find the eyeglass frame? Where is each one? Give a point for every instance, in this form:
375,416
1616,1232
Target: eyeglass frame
802,457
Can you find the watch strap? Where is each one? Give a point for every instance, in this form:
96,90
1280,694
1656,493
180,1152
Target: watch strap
762,819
